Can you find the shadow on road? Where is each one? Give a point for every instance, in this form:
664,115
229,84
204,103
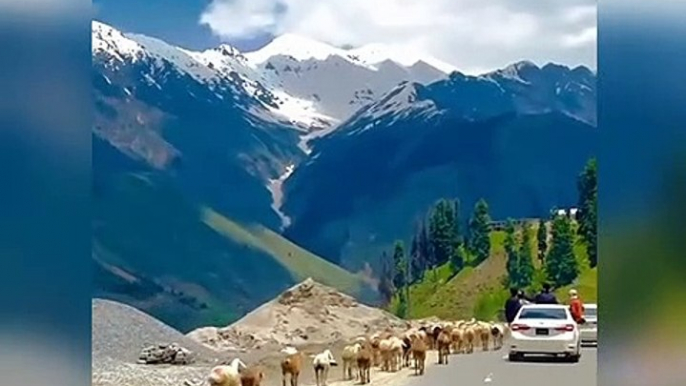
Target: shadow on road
542,359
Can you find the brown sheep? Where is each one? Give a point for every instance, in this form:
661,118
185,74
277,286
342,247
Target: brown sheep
484,331
435,332
376,352
469,337
364,363
252,377
291,366
497,335
457,337
419,347
443,346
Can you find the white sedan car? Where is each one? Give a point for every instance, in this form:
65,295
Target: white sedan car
589,330
544,329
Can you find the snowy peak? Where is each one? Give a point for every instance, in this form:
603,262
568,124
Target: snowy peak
107,40
374,54
298,47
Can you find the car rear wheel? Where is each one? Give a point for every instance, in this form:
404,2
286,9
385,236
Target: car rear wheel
514,357
574,358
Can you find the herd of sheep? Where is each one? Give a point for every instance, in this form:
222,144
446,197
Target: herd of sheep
388,351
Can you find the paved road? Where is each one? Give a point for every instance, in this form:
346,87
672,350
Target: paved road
472,370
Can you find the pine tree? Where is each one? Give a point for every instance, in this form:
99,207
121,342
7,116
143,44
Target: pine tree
457,232
587,216
416,271
512,251
385,286
400,278
479,232
400,272
458,258
423,246
542,239
561,265
525,269
442,231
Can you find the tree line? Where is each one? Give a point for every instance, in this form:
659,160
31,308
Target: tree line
558,260
438,239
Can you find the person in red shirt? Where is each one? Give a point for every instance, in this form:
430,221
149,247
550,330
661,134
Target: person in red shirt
576,307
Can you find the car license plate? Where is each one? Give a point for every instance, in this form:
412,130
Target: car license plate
541,331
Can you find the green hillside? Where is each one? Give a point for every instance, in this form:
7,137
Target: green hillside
480,291
189,265
299,262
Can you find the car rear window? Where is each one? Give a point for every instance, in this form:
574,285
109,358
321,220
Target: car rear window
591,312
543,313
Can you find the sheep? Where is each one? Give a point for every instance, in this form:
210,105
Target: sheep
484,334
396,353
385,353
349,357
443,342
457,338
407,346
226,375
419,347
498,334
291,365
364,362
252,377
322,362
376,357
469,337
435,332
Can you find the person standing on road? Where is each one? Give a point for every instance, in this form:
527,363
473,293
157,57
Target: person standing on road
576,307
512,305
545,296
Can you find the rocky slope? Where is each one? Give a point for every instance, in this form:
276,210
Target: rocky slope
307,314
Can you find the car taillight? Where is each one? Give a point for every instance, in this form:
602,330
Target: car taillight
520,327
566,327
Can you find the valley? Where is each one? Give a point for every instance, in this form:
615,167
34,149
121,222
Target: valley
222,178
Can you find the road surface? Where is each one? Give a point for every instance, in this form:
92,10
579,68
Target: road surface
475,369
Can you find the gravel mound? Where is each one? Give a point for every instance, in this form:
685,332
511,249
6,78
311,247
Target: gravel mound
306,314
120,332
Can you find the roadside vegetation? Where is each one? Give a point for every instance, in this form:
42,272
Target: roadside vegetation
453,273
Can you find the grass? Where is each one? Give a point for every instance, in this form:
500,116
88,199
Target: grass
480,291
456,297
299,262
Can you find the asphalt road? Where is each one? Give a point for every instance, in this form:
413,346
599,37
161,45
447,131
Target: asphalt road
477,368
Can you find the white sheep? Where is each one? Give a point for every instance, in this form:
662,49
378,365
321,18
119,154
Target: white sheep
226,375
349,357
322,362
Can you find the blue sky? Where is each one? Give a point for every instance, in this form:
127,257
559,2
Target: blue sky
174,21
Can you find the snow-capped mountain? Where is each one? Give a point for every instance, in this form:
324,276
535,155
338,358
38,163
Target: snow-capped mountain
340,81
295,80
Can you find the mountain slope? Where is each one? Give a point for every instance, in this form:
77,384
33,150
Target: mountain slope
466,137
188,265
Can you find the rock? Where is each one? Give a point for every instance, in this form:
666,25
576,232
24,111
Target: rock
172,354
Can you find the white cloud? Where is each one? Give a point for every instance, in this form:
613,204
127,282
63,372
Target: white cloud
586,37
473,35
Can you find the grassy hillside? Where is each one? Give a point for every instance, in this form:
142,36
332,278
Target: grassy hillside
299,262
440,295
480,291
188,265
